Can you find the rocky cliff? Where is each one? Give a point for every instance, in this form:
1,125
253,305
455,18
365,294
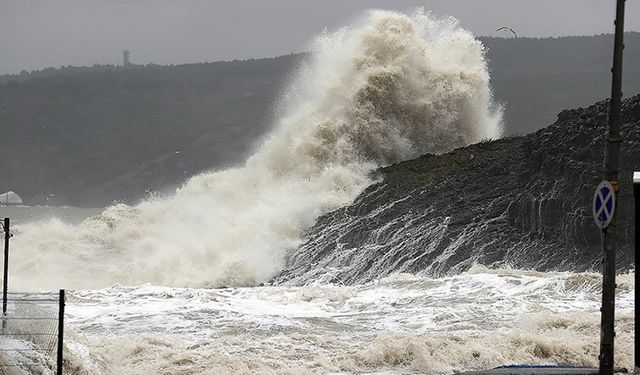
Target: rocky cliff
522,201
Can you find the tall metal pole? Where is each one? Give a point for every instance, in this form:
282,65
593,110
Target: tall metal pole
636,196
6,195
610,234
59,361
7,235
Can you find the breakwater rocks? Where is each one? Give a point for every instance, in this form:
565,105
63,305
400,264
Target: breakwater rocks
523,202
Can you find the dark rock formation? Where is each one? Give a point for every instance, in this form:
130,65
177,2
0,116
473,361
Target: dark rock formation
523,202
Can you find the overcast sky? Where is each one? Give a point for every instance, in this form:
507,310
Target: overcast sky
39,33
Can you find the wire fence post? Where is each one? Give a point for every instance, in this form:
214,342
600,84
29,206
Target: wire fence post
6,265
5,280
60,332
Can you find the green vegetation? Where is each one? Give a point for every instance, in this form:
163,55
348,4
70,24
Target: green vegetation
92,135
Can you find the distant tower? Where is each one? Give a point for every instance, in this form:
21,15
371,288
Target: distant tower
125,58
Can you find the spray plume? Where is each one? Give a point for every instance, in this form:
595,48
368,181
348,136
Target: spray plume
389,88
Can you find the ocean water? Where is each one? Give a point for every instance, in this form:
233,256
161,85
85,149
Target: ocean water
399,325
21,215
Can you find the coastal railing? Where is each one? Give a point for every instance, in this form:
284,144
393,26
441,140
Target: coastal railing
32,326
31,335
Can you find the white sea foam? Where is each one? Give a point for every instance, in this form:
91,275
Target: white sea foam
398,325
391,87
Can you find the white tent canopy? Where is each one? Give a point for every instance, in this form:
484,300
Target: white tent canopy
10,198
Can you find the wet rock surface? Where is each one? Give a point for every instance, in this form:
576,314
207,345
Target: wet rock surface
522,202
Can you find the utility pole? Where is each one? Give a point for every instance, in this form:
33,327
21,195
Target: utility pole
610,233
6,194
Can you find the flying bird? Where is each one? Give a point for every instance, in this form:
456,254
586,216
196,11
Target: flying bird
505,28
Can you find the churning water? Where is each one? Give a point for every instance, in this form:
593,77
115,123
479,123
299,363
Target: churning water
399,325
390,87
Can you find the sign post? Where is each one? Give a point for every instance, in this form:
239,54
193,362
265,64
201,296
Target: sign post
610,232
604,211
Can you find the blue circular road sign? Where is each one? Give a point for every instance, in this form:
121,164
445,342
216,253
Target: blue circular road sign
604,204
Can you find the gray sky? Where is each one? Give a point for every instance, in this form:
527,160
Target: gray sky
39,33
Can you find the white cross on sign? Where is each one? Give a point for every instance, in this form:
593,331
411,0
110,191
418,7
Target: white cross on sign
604,204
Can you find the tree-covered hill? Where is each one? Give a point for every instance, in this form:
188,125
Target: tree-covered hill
537,78
90,135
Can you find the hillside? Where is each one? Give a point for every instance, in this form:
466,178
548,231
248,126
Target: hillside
538,78
94,137
89,136
521,201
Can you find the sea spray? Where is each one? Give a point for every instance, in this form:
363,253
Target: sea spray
388,88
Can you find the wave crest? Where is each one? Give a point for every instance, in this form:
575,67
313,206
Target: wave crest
389,88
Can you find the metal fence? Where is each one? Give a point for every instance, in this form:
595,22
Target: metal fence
31,334
32,327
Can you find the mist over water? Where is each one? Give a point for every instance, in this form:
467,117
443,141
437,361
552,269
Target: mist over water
388,88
